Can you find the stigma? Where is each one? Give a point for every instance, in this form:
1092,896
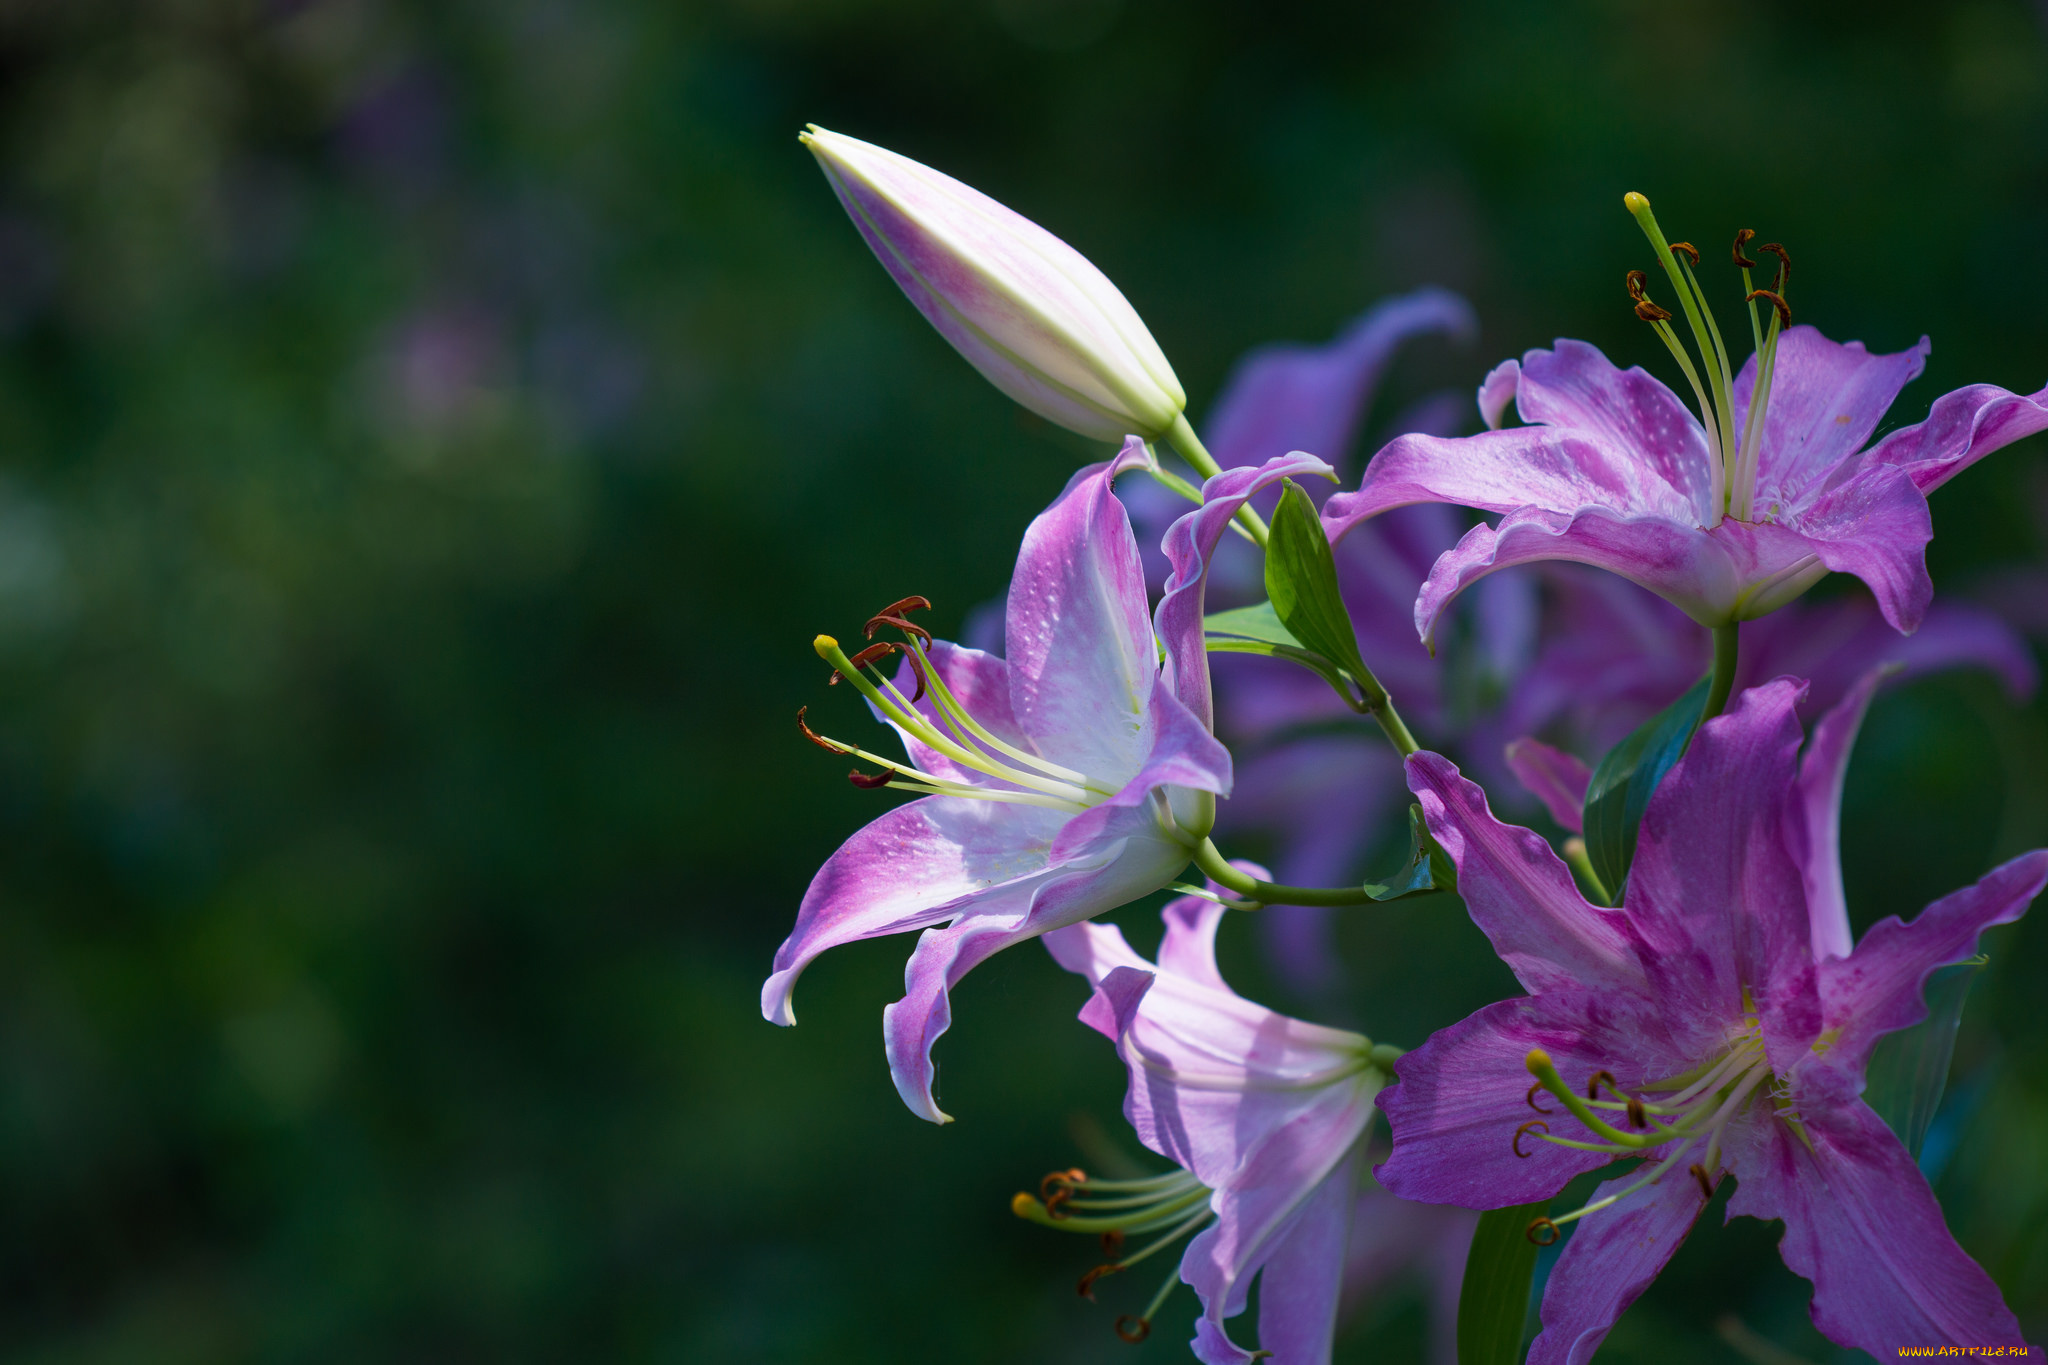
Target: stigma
944,726
1733,452
1676,1124
1174,1205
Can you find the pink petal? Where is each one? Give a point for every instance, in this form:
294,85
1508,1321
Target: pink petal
1877,987
1819,827
1556,778
1826,399
1077,635
1863,1227
1961,428
1876,526
1300,1266
1611,1259
916,865
1519,892
1576,388
981,682
1286,398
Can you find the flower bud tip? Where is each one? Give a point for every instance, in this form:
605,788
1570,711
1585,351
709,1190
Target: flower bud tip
1634,203
1538,1061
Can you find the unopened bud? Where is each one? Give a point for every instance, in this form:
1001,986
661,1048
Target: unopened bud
1037,319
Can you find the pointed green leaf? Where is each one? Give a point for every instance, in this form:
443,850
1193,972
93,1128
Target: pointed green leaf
1493,1305
1626,779
1250,623
1909,1069
1301,580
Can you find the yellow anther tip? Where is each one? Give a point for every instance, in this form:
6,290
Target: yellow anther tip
1635,203
1023,1205
1538,1061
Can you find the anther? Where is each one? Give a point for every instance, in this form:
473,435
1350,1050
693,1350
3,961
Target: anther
1742,239
1689,249
829,746
1113,1243
868,782
1638,1117
1784,263
1777,302
1137,1330
1536,1125
1593,1085
874,652
1699,1173
1086,1288
1542,1232
1531,1098
1060,1184
908,627
905,606
1646,310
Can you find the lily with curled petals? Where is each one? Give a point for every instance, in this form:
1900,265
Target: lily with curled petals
1718,1022
1269,1113
1729,514
1072,777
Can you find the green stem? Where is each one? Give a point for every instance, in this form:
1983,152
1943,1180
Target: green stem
1211,860
1183,439
1380,707
1724,669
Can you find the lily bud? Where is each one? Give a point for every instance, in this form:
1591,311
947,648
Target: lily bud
1031,313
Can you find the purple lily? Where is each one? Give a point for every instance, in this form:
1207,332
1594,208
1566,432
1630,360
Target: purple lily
1729,517
1720,1021
1266,1115
1073,777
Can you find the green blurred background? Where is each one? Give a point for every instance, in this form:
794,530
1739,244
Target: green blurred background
430,437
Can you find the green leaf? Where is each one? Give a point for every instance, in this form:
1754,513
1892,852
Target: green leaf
1493,1305
1909,1069
1626,779
1428,869
1251,623
1301,580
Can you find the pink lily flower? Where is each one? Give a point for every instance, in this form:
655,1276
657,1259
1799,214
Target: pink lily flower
1613,470
1718,1022
1071,778
1266,1113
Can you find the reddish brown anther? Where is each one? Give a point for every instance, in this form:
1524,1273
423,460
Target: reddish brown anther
1086,1289
1542,1232
1536,1124
1699,1173
1689,249
1133,1330
1777,301
1535,1086
904,624
1637,281
1593,1084
905,606
830,746
1638,1117
1112,1244
1784,264
1061,1182
1647,311
1741,240
868,782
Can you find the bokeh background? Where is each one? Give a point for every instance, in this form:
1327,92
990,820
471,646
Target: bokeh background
429,438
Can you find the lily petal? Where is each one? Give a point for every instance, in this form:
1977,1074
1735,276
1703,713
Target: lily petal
1577,388
1190,542
1864,1228
1961,428
1519,892
1610,1261
1556,778
1459,1098
1877,988
1818,831
1826,399
1076,632
1875,526
917,865
1301,1264
981,683
1286,398
1128,860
